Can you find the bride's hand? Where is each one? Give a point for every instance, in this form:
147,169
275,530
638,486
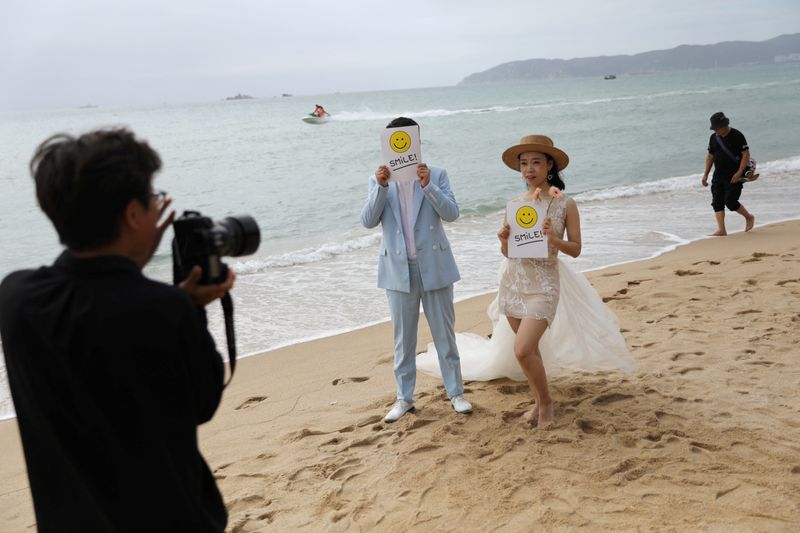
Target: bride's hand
547,229
504,232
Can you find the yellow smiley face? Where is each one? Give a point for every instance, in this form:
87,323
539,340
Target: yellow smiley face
526,216
400,141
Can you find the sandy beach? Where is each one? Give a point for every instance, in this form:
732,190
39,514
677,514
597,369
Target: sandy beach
706,436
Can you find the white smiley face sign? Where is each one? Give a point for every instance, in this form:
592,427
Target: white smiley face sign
526,238
400,148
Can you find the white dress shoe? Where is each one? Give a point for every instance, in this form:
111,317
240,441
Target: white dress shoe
460,404
399,408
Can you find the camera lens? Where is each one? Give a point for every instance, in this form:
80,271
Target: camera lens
241,236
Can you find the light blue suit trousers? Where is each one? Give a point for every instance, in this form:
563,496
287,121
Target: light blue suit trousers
441,317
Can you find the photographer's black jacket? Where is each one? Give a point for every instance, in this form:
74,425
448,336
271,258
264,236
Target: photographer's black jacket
111,373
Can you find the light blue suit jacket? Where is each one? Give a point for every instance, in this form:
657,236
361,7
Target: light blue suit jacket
432,204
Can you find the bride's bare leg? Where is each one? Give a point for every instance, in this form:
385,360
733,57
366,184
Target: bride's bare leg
526,349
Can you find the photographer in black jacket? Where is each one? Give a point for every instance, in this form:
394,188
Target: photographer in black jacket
111,372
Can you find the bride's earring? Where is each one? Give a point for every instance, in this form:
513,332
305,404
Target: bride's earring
549,177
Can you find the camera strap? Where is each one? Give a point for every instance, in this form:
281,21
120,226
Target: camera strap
227,311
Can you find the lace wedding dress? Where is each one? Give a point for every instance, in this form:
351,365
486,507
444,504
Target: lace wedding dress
583,333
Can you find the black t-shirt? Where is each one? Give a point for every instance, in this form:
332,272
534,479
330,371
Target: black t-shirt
111,373
724,166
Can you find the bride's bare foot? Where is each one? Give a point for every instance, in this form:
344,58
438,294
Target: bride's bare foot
719,233
546,416
530,416
750,221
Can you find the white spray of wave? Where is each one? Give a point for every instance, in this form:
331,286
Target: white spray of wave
368,114
640,189
307,255
679,183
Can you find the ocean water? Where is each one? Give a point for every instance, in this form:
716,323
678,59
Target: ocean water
637,146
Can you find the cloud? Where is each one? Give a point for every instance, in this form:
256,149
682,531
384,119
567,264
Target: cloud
63,53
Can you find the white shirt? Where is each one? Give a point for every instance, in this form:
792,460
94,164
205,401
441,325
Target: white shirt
405,191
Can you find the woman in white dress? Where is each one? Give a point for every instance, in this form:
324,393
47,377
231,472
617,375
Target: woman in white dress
554,319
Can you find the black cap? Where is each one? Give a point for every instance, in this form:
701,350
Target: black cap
719,120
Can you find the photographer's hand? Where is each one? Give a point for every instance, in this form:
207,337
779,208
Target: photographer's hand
162,227
205,294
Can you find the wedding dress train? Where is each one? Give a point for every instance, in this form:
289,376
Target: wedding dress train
583,336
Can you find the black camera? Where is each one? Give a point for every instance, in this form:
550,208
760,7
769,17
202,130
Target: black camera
202,241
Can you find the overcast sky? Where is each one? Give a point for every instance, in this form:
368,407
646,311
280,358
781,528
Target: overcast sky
64,53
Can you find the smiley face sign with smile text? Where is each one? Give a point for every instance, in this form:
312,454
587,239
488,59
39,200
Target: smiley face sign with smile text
526,238
400,148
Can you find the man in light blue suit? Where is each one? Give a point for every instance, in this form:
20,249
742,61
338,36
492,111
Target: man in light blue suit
415,264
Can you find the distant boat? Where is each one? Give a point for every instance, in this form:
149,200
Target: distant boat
610,77
314,119
240,96
87,106
286,95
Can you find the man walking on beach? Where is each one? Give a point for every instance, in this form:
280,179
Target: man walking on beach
729,153
111,372
416,264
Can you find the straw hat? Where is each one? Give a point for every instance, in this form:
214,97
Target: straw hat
535,143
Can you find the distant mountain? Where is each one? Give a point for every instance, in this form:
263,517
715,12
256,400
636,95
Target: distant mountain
784,48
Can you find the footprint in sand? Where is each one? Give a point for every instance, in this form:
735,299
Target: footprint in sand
606,399
680,272
576,390
512,415
418,423
483,453
679,355
250,402
760,363
222,467
425,448
338,381
663,416
512,389
589,426
704,446
369,421
303,433
723,492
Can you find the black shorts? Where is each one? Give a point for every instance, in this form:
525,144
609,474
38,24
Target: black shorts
725,194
